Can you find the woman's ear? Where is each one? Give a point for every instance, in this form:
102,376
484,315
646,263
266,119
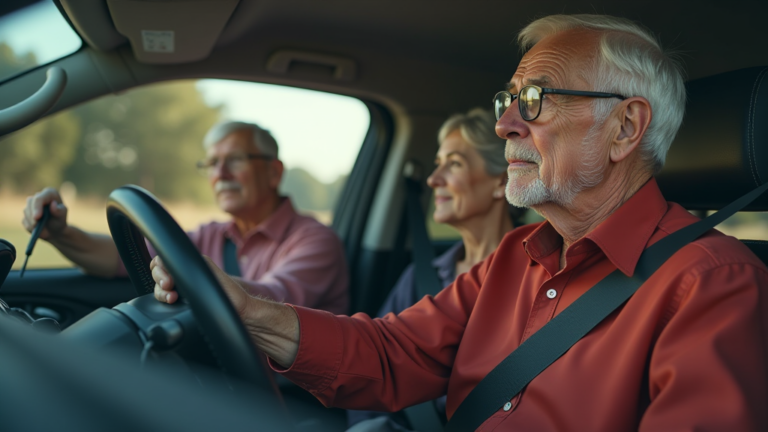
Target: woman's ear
634,119
501,186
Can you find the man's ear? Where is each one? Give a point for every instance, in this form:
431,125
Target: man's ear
275,173
634,117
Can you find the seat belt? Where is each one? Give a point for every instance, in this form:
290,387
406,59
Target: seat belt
231,267
556,337
427,281
424,416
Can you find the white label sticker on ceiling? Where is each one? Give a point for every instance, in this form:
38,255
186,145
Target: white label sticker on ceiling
157,41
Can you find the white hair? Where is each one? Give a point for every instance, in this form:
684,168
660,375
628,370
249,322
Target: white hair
478,128
631,63
262,139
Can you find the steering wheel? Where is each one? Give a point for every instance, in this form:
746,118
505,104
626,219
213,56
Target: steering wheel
133,213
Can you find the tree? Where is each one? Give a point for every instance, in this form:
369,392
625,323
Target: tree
149,136
11,63
36,156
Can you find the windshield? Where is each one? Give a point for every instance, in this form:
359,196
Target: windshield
34,36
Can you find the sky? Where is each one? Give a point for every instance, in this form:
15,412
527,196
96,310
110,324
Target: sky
317,131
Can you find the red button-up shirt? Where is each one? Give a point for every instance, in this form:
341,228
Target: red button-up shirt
688,351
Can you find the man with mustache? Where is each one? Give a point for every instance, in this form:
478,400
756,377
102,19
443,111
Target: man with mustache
281,255
588,117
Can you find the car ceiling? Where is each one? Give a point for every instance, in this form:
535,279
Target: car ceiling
714,36
402,44
429,56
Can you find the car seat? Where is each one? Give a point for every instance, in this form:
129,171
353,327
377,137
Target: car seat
721,150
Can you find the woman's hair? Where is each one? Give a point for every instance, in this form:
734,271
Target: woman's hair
478,128
631,62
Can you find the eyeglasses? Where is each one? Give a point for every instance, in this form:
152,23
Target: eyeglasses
235,163
530,96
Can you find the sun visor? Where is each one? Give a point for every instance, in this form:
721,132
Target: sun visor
166,32
92,21
721,150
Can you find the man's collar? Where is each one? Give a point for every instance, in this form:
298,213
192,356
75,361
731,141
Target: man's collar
625,234
622,236
273,227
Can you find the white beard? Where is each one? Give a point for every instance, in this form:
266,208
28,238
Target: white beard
223,185
589,174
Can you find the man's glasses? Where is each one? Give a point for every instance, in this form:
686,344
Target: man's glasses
530,96
235,163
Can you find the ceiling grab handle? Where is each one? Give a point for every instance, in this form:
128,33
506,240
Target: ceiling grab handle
34,107
342,68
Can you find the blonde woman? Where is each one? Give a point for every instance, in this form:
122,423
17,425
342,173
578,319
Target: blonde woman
468,181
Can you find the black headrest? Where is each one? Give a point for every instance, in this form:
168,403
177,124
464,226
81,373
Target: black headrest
721,151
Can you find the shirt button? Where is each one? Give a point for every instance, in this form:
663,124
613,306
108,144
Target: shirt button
507,406
551,293
243,261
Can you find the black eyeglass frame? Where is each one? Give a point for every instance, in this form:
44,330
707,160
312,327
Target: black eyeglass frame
544,90
204,165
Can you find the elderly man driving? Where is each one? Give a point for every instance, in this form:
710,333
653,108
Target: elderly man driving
279,254
588,117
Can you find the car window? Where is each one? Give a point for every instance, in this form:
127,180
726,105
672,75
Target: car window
32,36
152,136
746,225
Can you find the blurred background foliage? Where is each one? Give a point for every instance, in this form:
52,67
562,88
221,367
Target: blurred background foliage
150,136
12,63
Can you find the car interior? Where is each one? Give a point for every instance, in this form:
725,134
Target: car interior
412,64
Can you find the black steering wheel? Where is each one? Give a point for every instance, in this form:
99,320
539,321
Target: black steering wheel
133,213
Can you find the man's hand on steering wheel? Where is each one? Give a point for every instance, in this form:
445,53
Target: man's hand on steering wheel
165,288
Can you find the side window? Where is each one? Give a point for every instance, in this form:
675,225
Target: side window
152,136
32,36
746,225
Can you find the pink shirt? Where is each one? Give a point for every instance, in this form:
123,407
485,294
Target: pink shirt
288,258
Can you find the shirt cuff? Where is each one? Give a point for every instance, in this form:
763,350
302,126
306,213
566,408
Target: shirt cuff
320,352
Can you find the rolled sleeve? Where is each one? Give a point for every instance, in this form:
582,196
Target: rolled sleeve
321,347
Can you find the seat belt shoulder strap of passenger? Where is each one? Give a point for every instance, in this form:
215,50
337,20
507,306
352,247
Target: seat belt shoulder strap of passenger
422,417
556,337
425,276
231,266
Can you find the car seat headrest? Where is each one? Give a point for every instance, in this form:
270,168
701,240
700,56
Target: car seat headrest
721,150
